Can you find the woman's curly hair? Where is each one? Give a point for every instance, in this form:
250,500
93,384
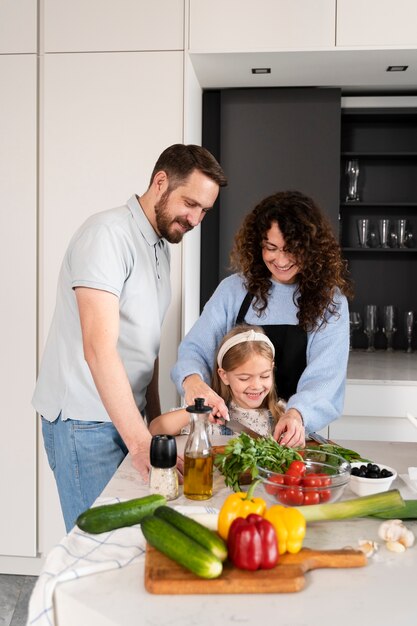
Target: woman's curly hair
309,239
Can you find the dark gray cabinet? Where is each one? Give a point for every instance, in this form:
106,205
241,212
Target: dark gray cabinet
384,144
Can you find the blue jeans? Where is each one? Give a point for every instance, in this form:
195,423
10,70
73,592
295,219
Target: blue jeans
83,456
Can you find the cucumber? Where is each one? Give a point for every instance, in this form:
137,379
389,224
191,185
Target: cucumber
202,535
409,511
180,548
100,519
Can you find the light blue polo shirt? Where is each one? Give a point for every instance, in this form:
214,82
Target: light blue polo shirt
116,251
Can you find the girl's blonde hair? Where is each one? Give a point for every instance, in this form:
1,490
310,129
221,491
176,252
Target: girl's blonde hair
238,354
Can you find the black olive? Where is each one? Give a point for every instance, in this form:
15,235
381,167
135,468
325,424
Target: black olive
355,471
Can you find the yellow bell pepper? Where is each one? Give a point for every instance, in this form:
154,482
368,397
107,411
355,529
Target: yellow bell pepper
290,527
239,504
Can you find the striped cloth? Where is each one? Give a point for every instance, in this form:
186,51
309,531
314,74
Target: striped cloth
80,554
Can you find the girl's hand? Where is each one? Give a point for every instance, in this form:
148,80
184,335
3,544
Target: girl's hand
194,388
290,430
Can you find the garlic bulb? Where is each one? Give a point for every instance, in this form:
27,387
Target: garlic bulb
397,536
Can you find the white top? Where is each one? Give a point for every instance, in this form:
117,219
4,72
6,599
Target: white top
116,251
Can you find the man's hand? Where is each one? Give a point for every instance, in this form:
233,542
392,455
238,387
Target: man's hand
194,388
141,461
290,430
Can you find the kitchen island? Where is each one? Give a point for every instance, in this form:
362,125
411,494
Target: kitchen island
378,594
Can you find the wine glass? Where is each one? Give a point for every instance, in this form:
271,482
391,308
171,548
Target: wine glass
355,323
370,326
409,324
389,317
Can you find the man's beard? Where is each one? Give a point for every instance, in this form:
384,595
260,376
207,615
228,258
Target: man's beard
165,224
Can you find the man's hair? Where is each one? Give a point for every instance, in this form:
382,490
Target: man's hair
179,161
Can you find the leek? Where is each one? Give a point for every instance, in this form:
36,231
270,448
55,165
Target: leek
357,507
409,511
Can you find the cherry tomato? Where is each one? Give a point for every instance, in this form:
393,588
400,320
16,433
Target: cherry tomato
277,480
295,496
292,479
325,495
282,496
296,467
325,480
311,497
311,480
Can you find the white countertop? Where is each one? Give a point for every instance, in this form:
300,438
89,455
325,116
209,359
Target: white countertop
371,595
382,367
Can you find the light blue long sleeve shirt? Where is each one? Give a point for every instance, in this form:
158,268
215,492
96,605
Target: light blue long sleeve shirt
321,389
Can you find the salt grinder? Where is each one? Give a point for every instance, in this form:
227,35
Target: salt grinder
163,477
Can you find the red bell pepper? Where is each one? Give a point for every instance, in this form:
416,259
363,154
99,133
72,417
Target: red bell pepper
252,543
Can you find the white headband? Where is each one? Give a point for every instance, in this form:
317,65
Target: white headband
249,335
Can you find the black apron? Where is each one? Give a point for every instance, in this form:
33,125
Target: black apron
290,342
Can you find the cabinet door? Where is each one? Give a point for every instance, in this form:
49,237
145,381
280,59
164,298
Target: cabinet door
18,26
18,311
376,23
114,25
107,117
245,25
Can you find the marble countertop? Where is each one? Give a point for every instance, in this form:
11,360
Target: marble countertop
365,595
382,367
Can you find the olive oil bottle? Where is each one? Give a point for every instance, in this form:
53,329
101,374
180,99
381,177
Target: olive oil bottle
198,457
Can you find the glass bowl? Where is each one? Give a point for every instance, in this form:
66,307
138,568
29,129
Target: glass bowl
362,486
325,479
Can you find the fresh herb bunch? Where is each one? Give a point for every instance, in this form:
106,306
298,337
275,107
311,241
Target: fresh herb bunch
349,455
243,454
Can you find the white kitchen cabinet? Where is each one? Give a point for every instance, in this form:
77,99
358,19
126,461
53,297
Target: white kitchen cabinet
114,25
380,23
107,117
245,25
381,389
18,159
18,26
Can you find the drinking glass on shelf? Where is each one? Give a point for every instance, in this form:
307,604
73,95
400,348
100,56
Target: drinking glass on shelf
363,232
384,227
355,323
389,321
409,325
401,233
352,171
370,326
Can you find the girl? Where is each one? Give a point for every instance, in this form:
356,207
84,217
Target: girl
243,375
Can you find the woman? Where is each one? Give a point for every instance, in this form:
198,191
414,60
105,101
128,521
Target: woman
292,281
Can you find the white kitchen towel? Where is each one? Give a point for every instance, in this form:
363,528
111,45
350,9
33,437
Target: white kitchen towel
80,554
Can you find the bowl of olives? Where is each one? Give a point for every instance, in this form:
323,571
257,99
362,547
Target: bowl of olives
368,478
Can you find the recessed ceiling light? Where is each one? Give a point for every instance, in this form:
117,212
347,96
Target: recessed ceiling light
261,70
396,68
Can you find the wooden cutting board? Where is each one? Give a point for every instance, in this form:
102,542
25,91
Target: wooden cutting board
164,576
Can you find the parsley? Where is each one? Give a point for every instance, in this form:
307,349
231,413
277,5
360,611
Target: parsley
244,454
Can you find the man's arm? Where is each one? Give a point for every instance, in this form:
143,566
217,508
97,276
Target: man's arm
99,316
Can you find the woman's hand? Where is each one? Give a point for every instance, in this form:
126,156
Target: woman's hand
194,388
290,430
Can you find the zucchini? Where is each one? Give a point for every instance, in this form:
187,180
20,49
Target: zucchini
408,511
180,548
100,519
202,535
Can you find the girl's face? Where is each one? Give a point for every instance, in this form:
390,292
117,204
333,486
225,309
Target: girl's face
250,382
281,264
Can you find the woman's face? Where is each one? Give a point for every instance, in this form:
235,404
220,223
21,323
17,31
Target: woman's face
250,382
281,264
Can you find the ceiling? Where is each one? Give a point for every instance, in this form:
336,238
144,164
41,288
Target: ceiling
354,71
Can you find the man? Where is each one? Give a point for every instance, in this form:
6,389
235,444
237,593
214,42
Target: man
100,366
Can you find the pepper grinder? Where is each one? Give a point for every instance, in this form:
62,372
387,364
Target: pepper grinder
163,477
198,458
